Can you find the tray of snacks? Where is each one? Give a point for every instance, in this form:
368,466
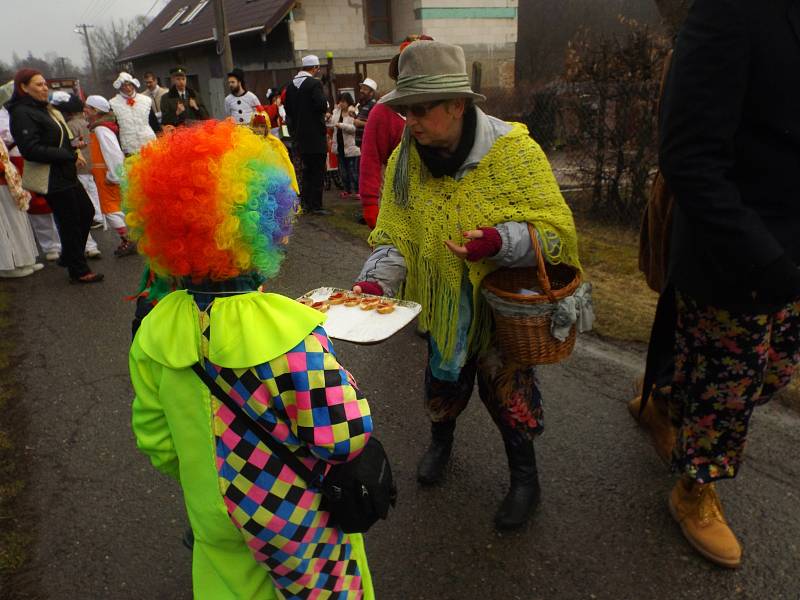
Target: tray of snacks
360,318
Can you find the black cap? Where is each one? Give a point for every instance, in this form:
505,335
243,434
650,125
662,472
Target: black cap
177,71
71,106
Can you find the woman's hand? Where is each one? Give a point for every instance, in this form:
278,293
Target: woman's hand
368,287
482,243
80,162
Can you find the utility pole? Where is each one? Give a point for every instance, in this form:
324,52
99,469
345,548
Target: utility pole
78,28
223,41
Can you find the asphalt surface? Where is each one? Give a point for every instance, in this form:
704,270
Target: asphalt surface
109,526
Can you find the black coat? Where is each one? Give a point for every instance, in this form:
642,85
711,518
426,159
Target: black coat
305,115
37,135
169,108
730,152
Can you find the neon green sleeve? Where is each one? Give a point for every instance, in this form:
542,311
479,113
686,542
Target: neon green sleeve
153,436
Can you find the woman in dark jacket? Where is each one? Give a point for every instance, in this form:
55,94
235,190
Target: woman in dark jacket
43,136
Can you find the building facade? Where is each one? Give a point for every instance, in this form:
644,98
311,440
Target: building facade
356,38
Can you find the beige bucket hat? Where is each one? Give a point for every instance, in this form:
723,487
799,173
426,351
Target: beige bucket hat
429,71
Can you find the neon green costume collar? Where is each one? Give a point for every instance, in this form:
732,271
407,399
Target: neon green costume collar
248,329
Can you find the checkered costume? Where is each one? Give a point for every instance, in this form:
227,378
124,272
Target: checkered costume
308,402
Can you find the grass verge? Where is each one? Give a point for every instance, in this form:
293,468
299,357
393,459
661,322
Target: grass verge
16,527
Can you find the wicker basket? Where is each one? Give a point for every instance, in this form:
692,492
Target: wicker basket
527,339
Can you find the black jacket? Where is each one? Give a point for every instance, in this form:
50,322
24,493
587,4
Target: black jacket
169,108
37,135
730,152
305,115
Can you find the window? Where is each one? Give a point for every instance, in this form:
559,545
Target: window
175,18
379,22
195,11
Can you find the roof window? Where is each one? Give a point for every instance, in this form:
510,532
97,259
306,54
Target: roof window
195,11
175,18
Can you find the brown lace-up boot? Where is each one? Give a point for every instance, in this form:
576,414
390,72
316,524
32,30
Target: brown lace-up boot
696,507
656,422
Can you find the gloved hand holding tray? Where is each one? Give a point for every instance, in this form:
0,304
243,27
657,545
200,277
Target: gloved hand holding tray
353,324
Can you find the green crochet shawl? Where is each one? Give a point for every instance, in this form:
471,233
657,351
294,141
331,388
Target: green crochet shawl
513,182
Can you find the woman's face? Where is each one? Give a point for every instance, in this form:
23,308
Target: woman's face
36,88
343,105
128,88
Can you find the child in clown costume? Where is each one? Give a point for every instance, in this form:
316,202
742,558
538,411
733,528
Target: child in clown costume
259,530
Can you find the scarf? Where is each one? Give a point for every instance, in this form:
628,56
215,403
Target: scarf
107,120
439,165
513,182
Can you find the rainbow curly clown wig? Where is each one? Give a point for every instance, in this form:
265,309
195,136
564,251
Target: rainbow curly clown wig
212,201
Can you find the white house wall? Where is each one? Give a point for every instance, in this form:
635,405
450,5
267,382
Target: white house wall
487,29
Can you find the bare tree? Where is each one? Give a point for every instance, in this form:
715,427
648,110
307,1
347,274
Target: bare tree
50,64
545,28
673,12
109,42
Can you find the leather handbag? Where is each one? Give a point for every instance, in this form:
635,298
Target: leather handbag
356,493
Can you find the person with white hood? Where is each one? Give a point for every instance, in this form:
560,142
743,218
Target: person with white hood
305,113
72,108
106,163
135,115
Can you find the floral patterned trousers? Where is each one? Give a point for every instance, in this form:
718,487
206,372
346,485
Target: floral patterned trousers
726,364
509,392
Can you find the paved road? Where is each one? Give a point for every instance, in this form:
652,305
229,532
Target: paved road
109,526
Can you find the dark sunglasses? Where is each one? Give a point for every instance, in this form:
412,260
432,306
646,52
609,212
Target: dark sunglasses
417,110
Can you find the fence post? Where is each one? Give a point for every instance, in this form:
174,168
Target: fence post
477,72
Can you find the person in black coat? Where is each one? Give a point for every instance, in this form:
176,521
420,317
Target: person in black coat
729,150
305,115
43,136
181,105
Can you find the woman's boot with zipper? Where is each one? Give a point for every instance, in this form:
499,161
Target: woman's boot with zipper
523,494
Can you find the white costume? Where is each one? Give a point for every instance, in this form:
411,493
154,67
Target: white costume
17,245
241,108
43,225
133,117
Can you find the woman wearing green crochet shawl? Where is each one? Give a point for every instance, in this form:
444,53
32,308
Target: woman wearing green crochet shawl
461,176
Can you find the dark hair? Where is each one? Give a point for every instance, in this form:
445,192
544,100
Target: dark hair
149,74
347,97
23,77
238,74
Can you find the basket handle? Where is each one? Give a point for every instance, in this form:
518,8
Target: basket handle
541,269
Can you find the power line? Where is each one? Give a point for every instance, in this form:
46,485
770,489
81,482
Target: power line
88,10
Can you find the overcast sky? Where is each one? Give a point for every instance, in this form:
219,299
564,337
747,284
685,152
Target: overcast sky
47,25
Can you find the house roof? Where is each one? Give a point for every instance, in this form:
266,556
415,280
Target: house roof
242,16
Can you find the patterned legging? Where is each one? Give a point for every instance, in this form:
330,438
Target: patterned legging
726,364
508,391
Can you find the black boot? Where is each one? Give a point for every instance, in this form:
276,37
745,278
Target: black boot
431,466
523,495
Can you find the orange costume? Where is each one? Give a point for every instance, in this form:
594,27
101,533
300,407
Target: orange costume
110,199
106,165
